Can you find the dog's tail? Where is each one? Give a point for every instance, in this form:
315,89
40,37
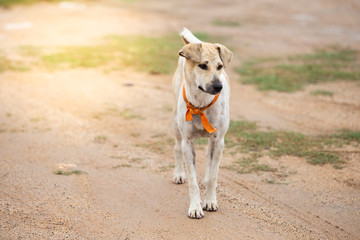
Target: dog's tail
188,37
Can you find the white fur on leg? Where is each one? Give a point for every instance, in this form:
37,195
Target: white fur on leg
216,148
195,210
210,206
208,161
179,177
210,202
179,172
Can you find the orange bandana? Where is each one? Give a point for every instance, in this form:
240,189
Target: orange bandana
199,111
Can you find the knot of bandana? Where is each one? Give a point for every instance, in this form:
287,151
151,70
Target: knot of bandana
199,111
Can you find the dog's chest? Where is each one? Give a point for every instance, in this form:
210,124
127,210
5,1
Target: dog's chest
197,128
197,124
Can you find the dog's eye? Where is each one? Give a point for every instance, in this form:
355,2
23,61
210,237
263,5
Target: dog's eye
203,66
219,67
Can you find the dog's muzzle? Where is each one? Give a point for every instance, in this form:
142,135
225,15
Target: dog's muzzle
212,89
217,87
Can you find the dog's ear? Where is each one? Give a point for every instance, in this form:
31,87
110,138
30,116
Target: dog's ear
192,52
224,53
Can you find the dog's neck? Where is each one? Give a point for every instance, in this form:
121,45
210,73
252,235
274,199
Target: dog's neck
195,96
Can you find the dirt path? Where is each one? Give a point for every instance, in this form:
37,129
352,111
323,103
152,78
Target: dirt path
119,133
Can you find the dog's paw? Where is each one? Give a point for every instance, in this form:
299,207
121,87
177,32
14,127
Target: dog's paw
196,212
210,206
179,178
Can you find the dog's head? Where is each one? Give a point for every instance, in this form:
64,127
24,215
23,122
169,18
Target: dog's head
204,63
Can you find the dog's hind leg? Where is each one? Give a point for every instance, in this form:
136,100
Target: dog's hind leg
214,154
179,172
188,150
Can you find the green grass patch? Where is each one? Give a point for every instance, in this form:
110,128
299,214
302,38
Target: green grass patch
127,114
249,165
348,136
9,3
293,73
74,57
8,65
125,165
226,23
30,51
273,181
157,146
100,139
67,173
322,93
157,55
166,168
246,137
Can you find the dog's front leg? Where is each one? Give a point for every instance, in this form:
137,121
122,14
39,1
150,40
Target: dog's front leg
195,210
213,154
179,172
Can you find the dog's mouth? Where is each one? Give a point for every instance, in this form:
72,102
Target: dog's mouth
201,88
212,92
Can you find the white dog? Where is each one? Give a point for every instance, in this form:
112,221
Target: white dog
202,93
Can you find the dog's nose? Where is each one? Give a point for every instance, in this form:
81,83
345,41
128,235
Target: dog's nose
217,87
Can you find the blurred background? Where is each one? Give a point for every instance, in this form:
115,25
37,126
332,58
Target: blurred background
86,141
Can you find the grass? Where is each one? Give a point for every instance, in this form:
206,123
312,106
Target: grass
36,119
67,173
249,165
166,168
168,108
29,51
127,114
113,110
348,135
135,134
8,65
273,181
158,144
247,138
322,93
155,55
227,23
100,139
125,165
293,73
9,3
135,159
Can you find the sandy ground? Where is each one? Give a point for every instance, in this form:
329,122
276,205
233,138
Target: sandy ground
50,118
